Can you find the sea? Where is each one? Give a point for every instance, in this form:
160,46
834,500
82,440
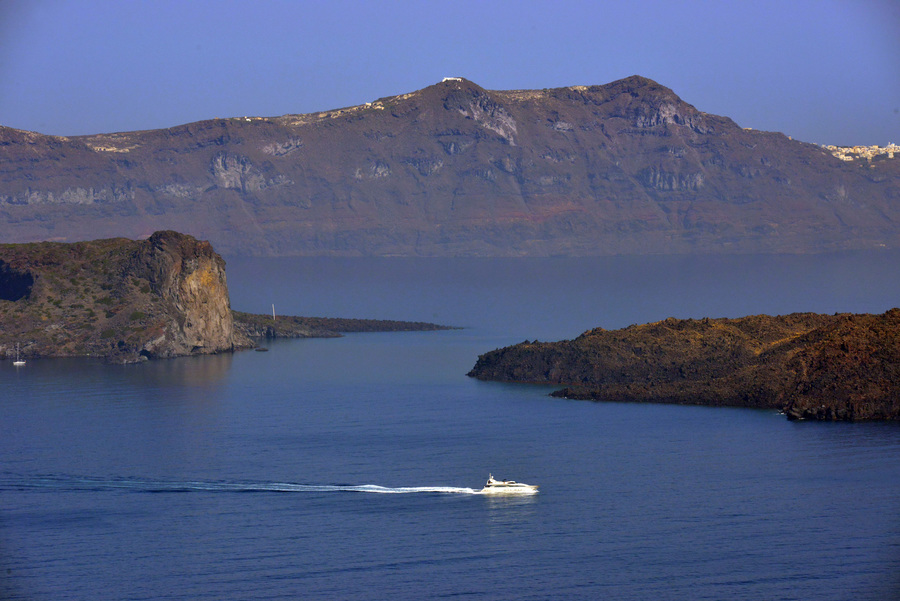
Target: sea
350,468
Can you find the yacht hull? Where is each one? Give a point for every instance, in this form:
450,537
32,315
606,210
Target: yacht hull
509,490
507,487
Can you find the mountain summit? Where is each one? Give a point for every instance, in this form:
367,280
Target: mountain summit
454,169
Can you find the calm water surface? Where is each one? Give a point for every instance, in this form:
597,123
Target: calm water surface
344,468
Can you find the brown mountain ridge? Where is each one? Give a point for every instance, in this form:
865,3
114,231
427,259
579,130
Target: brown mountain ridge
457,170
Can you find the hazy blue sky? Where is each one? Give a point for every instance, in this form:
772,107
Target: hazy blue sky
823,71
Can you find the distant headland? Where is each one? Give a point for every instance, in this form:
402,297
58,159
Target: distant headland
126,300
808,365
454,169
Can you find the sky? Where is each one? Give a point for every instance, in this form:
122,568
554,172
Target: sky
822,71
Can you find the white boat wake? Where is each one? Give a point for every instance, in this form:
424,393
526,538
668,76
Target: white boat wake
76,483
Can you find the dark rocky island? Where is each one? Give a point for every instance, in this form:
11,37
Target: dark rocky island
457,170
811,366
125,300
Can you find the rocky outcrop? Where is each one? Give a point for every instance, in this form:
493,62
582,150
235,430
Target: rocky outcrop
848,371
127,300
188,277
455,169
811,366
166,296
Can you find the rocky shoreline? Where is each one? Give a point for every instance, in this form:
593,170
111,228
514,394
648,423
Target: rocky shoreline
843,367
256,326
127,301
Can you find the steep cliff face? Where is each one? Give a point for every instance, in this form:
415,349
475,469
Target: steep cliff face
162,297
189,278
811,366
455,169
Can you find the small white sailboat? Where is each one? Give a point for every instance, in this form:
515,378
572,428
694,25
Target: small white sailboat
18,362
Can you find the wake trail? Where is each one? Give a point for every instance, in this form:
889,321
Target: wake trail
78,483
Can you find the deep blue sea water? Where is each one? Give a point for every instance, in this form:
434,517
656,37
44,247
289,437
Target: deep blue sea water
344,468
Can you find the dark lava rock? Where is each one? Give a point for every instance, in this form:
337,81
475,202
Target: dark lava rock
290,326
811,366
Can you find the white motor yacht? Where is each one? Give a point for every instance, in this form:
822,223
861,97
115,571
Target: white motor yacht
507,487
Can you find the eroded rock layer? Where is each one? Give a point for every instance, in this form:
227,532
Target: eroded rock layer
458,170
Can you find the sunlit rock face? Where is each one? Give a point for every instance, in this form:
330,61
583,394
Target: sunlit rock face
189,278
121,299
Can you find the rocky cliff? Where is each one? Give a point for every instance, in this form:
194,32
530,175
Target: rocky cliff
125,300
454,169
827,367
161,297
189,278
